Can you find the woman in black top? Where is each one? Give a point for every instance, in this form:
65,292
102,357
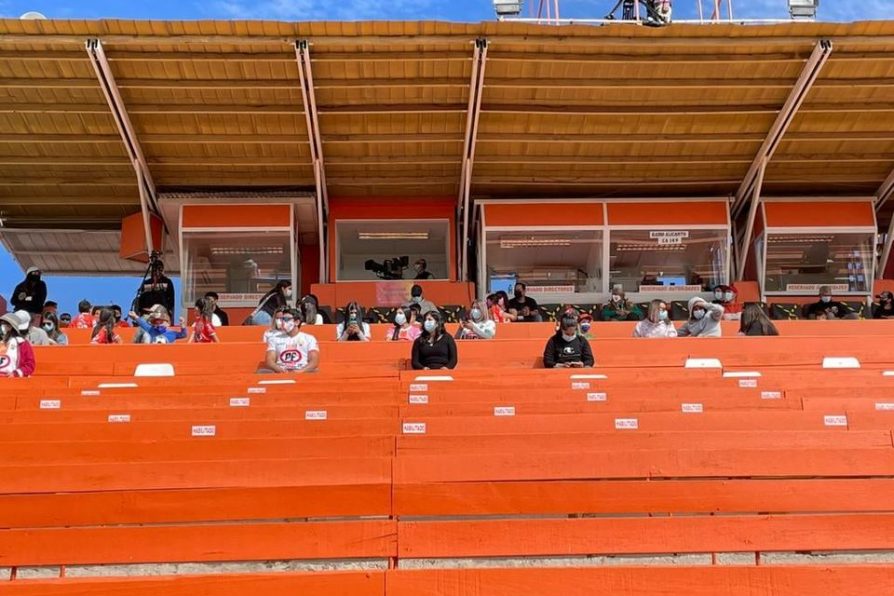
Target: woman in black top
756,322
272,301
434,349
567,348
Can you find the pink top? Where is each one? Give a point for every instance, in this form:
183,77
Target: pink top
408,333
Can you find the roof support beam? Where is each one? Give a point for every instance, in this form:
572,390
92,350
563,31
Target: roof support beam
796,97
884,193
745,247
148,194
306,79
476,90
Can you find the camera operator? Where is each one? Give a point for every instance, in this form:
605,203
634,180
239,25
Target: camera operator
353,327
421,268
156,287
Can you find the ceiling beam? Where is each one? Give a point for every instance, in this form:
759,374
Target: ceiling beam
473,112
787,114
145,183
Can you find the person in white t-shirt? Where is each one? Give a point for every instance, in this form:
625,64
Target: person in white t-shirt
292,351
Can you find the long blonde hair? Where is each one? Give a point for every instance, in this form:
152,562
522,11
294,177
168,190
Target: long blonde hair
481,305
654,308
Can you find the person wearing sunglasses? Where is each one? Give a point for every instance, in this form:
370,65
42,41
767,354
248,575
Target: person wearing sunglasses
291,351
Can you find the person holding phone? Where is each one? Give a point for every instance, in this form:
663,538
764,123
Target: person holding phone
477,324
353,327
568,348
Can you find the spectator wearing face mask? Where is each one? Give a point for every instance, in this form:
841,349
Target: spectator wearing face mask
404,329
885,308
65,320
657,323
30,295
275,325
292,351
104,332
704,319
51,326
119,317
435,348
156,330
525,309
36,336
585,323
416,297
85,319
353,328
16,356
310,310
478,324
826,308
273,300
727,297
421,269
621,309
567,348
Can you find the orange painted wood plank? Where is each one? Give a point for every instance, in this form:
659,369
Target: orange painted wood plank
612,497
845,580
645,535
199,543
285,499
209,474
681,463
362,583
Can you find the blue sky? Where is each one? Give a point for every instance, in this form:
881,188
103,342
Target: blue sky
67,291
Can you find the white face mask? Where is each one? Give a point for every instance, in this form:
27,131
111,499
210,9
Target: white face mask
568,338
4,330
277,324
417,299
826,299
400,318
288,293
616,298
475,314
728,297
718,295
288,326
430,326
48,327
698,314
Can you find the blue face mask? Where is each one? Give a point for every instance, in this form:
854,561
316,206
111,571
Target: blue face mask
662,315
585,327
826,299
430,326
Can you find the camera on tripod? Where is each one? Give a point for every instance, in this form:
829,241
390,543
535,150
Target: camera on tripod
389,268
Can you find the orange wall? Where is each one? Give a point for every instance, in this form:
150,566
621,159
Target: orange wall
374,208
235,216
544,214
370,293
817,214
309,266
668,213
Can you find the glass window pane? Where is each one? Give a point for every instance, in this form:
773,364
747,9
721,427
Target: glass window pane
551,262
234,263
672,257
817,259
364,246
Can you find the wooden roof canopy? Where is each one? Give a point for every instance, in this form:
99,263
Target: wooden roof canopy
566,111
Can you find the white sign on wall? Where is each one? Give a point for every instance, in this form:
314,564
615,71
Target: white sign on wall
814,288
667,238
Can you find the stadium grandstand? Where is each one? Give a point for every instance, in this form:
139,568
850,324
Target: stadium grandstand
556,191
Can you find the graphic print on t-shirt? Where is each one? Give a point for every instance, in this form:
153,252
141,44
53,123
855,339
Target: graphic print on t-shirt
291,357
4,362
568,350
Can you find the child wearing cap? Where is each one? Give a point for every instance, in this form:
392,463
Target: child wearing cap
156,330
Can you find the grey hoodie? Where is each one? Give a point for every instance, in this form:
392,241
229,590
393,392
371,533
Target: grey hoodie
707,326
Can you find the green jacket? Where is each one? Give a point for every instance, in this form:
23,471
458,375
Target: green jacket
610,312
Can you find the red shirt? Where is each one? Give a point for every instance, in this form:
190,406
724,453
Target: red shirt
203,331
103,337
83,321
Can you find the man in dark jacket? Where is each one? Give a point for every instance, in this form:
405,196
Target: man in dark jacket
156,289
568,348
30,295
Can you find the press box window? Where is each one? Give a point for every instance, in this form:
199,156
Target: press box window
798,261
668,258
387,249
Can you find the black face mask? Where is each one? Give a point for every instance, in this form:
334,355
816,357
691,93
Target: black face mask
33,277
518,294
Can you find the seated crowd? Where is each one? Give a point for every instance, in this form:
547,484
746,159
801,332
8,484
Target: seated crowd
418,321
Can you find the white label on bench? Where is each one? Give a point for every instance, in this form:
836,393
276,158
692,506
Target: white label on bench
257,390
89,392
316,415
741,374
597,397
414,428
504,411
240,402
884,406
419,387
117,385
771,394
119,418
436,378
277,382
204,431
703,363
50,404
888,373
835,420
574,377
418,399
626,424
693,408
840,362
747,383
578,385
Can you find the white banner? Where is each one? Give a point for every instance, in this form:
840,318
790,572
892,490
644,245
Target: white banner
677,234
537,290
814,288
669,289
